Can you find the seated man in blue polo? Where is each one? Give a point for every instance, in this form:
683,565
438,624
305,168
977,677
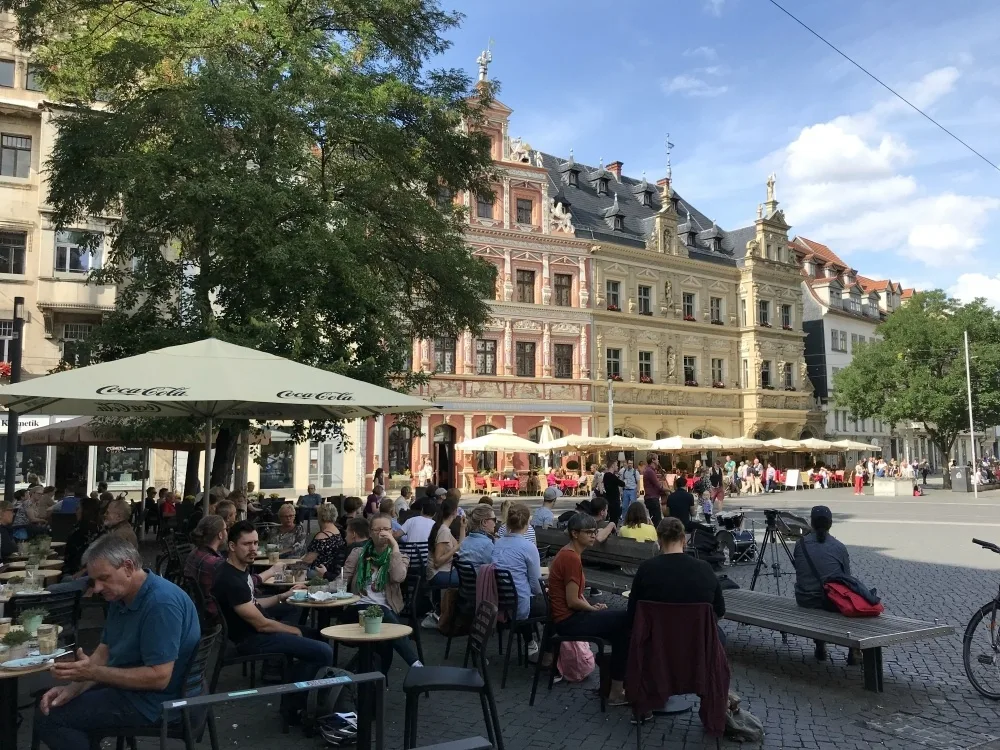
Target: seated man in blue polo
150,636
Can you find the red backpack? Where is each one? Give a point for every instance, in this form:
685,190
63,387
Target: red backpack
850,603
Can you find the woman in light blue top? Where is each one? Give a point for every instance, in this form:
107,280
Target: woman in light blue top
514,553
477,549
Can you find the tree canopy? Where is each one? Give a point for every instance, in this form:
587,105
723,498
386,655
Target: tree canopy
270,171
915,371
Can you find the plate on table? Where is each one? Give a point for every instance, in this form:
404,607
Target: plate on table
321,596
35,592
28,662
339,595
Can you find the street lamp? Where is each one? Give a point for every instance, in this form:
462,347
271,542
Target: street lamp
15,377
611,408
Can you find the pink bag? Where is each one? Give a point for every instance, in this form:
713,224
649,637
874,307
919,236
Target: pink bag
576,660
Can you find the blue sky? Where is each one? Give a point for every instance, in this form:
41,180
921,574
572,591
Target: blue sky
744,91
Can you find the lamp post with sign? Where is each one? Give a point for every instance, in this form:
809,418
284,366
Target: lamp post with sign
10,468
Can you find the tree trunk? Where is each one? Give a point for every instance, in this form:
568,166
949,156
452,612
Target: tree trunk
945,448
191,473
225,455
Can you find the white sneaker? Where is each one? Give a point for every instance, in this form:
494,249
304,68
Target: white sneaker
430,621
533,652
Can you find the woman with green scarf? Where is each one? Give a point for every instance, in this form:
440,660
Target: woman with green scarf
374,572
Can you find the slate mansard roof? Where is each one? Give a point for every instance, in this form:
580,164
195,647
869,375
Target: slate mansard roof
593,213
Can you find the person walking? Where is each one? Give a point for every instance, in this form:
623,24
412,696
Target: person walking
859,478
630,476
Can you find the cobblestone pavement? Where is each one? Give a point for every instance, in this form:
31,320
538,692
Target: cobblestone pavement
927,703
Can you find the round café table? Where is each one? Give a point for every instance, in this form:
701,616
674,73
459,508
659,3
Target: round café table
8,703
262,562
324,610
355,635
50,554
45,573
49,564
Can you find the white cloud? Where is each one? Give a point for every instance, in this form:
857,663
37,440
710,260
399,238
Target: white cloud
848,188
689,85
969,286
707,53
714,6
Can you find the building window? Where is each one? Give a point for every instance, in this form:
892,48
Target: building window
445,197
843,341
12,249
765,374
619,223
32,80
602,186
444,355
786,316
486,357
614,295
7,74
690,370
523,211
484,207
74,347
833,376
571,178
525,286
743,311
834,340
789,376
646,367
687,305
277,465
326,463
647,199
763,313
715,309
526,359
485,460
15,156
72,256
564,360
854,341
400,443
563,290
746,373
614,362
718,376
645,300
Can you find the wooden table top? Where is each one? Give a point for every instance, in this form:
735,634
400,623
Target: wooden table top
20,574
263,562
51,554
354,633
49,564
331,603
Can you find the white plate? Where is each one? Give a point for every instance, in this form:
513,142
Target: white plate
27,662
32,593
321,596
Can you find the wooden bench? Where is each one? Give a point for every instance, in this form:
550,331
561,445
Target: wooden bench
870,634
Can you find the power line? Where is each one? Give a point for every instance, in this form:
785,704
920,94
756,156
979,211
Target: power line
888,88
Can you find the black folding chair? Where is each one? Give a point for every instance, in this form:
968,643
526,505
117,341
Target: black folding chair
457,679
507,600
466,598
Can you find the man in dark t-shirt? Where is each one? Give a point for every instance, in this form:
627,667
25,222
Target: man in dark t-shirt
675,577
679,503
250,628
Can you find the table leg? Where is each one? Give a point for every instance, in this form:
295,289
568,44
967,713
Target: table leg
8,713
872,661
366,697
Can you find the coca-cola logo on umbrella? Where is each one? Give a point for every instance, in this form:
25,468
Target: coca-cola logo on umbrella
156,391
322,396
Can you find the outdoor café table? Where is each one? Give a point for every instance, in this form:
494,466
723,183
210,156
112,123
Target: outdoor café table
324,610
509,484
51,553
354,634
262,562
8,702
568,484
44,573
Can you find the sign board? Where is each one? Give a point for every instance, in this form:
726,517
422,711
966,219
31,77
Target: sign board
792,478
24,423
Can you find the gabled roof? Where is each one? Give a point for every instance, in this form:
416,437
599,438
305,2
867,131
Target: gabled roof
907,293
820,251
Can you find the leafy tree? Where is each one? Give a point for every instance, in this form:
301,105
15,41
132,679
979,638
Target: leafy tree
271,173
916,369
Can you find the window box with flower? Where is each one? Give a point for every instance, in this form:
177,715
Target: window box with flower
5,372
691,383
646,312
717,322
615,377
768,387
690,318
613,308
718,384
647,379
786,328
765,325
790,388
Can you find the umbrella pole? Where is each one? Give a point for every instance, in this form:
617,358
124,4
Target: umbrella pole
207,474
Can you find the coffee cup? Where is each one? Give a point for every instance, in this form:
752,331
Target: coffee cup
300,595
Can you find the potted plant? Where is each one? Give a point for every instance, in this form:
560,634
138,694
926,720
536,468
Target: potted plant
718,384
647,379
716,322
316,582
768,387
373,619
613,308
786,328
16,583
691,383
789,387
690,318
17,642
30,619
40,543
765,325
615,378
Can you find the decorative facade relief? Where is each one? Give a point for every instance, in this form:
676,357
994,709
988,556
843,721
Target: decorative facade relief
560,218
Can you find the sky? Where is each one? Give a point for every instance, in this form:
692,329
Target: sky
744,91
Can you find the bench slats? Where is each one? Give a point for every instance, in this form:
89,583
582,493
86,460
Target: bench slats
783,614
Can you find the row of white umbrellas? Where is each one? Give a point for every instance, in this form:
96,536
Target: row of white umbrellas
505,440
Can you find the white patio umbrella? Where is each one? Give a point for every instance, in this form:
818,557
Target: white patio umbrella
83,431
499,440
675,443
815,444
783,444
545,436
741,444
854,445
208,379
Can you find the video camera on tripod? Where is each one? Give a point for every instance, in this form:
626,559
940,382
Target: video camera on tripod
780,527
785,523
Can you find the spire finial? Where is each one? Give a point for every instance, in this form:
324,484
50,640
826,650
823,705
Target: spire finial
670,147
484,60
600,163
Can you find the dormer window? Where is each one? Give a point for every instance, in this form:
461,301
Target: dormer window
602,186
571,178
619,224
646,198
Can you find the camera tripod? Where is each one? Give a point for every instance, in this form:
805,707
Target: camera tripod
772,537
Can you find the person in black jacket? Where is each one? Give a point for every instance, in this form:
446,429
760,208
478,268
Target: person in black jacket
7,544
613,487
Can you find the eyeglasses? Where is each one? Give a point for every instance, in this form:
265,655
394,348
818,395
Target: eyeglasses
491,518
591,532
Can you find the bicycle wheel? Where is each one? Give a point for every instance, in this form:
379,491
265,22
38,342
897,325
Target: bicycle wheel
981,651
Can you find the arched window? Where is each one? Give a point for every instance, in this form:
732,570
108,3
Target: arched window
555,457
701,434
400,445
485,460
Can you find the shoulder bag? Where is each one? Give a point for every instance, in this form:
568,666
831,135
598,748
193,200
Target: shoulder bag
843,598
